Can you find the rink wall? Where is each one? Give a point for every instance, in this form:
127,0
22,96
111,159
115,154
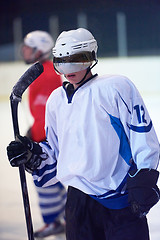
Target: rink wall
9,75
143,71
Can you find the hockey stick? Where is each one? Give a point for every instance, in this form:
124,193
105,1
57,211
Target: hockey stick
16,95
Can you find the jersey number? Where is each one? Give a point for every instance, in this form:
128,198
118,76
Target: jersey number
140,113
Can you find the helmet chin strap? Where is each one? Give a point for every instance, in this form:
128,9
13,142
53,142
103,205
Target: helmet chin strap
88,70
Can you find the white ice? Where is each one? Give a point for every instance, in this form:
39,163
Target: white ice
144,72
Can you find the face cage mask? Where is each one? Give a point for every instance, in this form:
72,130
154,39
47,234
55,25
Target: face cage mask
73,63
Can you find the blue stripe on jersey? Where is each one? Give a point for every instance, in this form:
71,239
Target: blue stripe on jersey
141,129
40,172
125,150
114,192
125,103
116,202
45,179
46,144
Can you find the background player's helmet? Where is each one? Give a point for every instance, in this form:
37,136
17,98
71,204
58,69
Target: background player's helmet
75,50
39,41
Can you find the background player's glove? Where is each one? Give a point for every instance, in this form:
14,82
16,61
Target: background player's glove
143,192
25,151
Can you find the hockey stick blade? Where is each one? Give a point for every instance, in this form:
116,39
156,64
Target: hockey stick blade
25,80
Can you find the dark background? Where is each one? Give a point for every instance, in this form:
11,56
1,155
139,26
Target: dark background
142,23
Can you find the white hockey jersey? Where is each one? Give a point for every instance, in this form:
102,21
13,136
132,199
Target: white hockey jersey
96,134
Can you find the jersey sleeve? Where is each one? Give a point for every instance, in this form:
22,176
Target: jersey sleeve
45,174
138,127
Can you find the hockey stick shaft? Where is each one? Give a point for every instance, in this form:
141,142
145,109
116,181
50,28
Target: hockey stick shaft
27,78
26,204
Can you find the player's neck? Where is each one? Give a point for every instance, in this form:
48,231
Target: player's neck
89,75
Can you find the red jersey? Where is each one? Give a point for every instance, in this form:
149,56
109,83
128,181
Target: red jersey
39,92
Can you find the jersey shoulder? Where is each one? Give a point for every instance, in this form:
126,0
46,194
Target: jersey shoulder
114,82
116,86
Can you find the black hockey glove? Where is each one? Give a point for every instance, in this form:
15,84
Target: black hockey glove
25,151
143,192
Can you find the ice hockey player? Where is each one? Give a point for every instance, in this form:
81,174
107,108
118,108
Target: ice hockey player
37,46
100,143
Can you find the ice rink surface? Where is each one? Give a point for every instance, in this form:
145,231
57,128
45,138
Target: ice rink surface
12,218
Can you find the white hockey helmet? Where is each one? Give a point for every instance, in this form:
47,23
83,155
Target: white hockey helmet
40,41
74,50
